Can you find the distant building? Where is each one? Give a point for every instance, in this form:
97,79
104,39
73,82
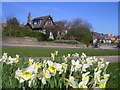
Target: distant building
104,38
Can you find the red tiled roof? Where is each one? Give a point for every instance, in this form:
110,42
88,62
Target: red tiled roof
113,39
110,36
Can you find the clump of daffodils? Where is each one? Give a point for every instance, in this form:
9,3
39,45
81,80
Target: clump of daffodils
8,59
72,70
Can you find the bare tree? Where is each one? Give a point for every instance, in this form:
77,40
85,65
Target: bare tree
87,25
77,22
61,23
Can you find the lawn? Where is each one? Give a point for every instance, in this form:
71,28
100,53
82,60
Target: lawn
36,52
114,70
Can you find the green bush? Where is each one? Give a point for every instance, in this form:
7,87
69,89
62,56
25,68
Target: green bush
14,30
41,37
80,34
50,39
23,32
67,42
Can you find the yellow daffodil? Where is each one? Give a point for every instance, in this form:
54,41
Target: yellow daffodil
101,59
56,52
84,67
70,81
68,55
53,56
44,76
30,61
52,67
102,84
25,74
44,63
16,59
83,56
97,76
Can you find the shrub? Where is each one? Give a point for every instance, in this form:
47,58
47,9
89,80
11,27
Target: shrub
50,39
14,30
80,34
67,42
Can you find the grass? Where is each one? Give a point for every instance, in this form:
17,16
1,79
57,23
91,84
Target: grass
114,70
36,52
0,76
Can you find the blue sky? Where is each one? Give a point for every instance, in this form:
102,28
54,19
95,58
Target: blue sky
102,15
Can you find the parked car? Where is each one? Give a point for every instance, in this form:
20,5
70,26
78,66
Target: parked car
96,46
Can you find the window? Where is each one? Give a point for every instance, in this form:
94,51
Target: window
35,23
49,22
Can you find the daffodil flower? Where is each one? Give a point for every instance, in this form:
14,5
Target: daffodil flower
84,67
16,59
4,57
25,74
10,60
64,66
44,63
71,81
52,67
83,56
68,55
75,55
44,76
102,84
65,58
101,59
75,65
56,52
53,56
36,66
85,78
30,61
106,76
97,76
83,83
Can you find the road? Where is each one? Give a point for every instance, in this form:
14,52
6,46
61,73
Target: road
58,47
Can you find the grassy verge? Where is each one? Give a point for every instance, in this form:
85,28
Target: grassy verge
114,70
36,52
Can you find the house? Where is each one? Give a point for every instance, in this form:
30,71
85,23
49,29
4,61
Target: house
39,23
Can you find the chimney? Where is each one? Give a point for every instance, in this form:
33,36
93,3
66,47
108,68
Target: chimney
29,18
